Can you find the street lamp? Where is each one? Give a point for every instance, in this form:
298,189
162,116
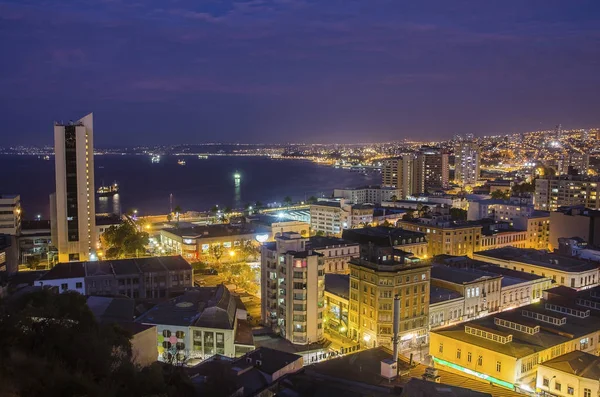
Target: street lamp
232,253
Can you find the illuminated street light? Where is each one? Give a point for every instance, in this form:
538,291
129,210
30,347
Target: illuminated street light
367,338
232,253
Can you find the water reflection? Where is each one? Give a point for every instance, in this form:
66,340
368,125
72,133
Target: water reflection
237,191
109,205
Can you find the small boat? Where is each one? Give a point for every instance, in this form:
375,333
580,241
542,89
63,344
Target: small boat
155,159
105,191
181,162
202,156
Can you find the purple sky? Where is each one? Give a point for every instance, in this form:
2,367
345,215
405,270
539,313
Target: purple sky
181,71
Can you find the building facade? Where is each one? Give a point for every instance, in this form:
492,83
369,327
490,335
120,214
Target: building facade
10,214
332,217
368,194
561,191
373,286
563,270
155,277
573,374
467,158
293,289
433,168
336,252
199,324
73,208
574,222
445,236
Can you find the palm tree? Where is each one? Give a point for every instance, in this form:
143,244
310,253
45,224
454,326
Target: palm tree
177,211
287,200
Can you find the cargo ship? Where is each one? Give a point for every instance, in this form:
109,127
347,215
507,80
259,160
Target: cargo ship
105,191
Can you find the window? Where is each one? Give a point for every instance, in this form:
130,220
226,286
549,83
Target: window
587,393
557,386
498,366
63,287
480,361
469,357
78,285
441,347
458,353
570,390
167,333
546,382
179,334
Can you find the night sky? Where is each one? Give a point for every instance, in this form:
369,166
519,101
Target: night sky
181,71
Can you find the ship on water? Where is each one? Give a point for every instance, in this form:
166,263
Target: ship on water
155,159
181,162
105,191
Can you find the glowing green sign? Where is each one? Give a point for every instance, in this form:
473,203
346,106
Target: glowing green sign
475,373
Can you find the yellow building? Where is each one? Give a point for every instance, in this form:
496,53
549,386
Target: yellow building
573,374
506,349
445,236
564,270
372,290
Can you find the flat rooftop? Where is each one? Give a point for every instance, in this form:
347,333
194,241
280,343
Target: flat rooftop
459,276
320,242
439,294
211,231
383,236
539,258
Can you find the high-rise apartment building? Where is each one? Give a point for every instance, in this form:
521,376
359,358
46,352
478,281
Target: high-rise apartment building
467,158
73,205
431,170
332,217
573,162
293,289
403,173
570,190
373,286
10,214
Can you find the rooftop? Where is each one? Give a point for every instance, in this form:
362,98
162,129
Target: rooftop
208,307
439,294
116,267
211,231
582,364
362,369
523,343
459,276
268,220
539,258
382,236
320,242
111,309
338,284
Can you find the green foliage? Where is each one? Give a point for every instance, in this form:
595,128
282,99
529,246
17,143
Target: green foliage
287,200
312,200
458,214
215,252
33,262
320,233
241,275
53,346
394,198
501,194
410,214
124,241
524,188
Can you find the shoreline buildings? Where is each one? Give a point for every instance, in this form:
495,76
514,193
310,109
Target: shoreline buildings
72,206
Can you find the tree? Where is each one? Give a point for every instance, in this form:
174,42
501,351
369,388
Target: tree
177,211
249,250
410,214
501,194
312,200
33,262
386,223
169,217
287,200
524,188
124,241
458,214
320,233
258,205
394,198
216,251
53,346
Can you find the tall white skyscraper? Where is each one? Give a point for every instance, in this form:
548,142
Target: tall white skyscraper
467,158
73,205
